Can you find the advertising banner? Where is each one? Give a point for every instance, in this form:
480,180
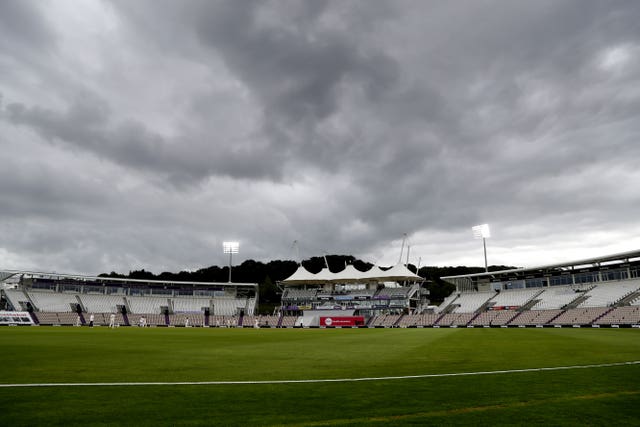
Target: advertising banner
342,321
15,318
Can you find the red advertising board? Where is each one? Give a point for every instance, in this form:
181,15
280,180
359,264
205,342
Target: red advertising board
342,321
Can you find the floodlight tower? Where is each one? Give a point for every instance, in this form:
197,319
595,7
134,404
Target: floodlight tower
404,239
230,248
482,232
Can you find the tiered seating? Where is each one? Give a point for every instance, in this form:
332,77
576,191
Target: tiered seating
57,318
16,297
152,319
67,318
470,302
385,320
102,319
425,319
556,297
223,321
621,315
94,303
494,317
190,304
180,319
300,294
448,300
47,318
580,316
514,298
228,306
606,294
52,301
143,305
504,317
288,321
394,293
535,317
249,321
98,319
457,319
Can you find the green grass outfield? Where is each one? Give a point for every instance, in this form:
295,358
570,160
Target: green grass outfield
585,396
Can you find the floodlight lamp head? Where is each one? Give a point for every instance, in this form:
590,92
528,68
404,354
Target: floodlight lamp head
230,247
481,231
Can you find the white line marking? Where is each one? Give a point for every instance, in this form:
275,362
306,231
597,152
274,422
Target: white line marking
328,380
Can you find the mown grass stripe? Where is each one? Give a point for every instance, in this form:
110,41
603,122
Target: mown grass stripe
326,380
464,410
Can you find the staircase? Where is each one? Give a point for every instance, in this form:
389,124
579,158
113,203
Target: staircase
484,307
397,322
519,312
34,317
628,299
555,317
528,306
576,302
602,315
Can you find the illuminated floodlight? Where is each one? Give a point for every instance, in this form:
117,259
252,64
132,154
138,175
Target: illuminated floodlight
230,248
482,232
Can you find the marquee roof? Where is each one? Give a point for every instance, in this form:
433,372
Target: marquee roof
351,275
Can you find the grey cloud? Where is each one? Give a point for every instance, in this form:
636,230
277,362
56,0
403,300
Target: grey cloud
87,124
22,27
295,64
417,117
297,71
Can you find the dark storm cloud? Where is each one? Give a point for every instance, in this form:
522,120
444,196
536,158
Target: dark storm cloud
87,125
295,63
296,70
342,124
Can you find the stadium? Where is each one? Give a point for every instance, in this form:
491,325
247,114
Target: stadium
556,344
596,292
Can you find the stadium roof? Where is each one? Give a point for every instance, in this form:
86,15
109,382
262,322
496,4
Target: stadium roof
470,282
564,266
351,275
6,274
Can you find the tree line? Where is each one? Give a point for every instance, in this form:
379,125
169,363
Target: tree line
267,274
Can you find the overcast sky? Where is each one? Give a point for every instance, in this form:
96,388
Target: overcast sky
143,134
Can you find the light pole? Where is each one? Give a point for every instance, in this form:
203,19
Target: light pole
482,232
230,248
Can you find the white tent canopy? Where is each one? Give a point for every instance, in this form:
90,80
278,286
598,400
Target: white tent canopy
351,275
302,275
398,272
324,275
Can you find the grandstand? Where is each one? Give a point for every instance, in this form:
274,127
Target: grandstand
379,296
597,292
603,291
59,299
